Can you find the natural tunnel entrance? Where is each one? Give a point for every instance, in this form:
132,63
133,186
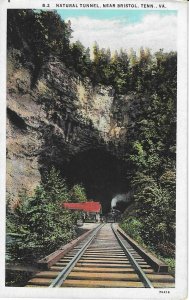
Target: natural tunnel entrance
101,173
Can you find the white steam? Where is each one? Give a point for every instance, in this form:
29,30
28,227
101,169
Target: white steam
121,198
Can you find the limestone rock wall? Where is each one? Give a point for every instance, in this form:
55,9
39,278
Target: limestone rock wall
57,118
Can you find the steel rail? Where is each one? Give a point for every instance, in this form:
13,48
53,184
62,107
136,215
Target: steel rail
139,271
57,282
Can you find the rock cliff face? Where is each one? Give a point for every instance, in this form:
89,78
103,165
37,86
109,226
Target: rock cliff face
67,122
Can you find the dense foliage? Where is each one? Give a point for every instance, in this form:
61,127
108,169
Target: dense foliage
38,224
151,156
43,34
153,222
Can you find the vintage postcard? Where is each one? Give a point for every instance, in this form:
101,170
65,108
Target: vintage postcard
93,149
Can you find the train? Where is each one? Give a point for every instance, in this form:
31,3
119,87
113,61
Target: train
113,216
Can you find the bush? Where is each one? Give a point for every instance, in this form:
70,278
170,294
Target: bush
132,227
171,265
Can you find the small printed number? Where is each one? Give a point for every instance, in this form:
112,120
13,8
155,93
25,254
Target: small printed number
164,292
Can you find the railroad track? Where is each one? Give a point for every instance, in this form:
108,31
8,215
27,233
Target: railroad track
103,259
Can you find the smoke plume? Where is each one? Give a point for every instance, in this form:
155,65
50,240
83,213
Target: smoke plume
120,198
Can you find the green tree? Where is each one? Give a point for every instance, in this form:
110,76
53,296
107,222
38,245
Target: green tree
78,194
77,51
55,186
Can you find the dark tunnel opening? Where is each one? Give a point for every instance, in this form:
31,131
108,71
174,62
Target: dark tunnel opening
100,172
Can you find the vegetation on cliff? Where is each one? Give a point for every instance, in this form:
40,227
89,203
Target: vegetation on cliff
43,34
